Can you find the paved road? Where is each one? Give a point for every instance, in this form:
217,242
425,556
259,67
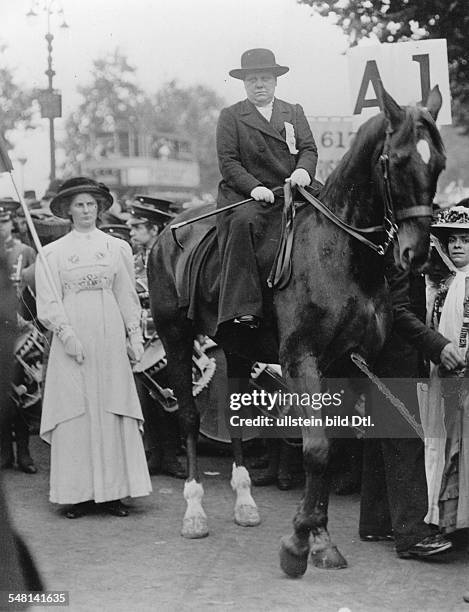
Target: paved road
142,563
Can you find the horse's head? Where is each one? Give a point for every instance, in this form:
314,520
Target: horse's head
407,170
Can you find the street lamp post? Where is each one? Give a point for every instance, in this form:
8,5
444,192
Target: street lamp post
50,91
22,160
49,99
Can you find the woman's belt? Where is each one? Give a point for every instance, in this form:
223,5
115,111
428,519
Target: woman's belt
89,282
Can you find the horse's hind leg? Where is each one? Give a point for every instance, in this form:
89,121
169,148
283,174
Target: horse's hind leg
246,513
311,516
177,338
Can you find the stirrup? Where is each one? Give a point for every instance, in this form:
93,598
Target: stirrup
248,321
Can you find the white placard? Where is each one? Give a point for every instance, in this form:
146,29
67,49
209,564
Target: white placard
333,136
408,71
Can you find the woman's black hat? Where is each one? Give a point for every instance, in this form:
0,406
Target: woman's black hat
79,184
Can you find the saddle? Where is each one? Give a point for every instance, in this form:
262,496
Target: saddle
197,269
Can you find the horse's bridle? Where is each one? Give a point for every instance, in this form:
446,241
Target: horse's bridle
390,217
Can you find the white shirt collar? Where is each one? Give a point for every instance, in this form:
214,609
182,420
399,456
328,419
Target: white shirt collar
266,111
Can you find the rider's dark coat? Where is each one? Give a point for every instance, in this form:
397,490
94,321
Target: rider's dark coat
253,151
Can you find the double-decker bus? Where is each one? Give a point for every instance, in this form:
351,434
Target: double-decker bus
134,161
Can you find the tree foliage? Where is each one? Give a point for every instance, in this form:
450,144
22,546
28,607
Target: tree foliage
193,111
16,104
113,98
398,20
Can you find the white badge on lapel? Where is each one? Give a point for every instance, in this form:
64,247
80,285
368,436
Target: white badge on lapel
290,137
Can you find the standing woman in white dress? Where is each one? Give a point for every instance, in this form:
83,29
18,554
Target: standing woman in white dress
445,416
91,414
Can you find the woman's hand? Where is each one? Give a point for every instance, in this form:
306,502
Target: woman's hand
451,357
136,346
74,348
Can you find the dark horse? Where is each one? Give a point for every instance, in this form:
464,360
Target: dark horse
336,303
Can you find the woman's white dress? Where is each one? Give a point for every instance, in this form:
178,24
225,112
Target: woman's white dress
91,414
445,417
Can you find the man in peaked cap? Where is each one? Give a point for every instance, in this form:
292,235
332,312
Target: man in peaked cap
149,215
261,142
9,208
19,258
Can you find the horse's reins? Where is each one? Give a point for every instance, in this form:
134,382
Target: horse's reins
389,226
175,226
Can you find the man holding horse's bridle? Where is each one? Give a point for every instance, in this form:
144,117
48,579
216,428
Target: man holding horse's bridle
261,142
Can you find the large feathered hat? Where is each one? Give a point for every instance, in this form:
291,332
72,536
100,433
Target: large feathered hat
450,220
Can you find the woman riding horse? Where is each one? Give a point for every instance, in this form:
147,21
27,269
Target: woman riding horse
261,142
336,301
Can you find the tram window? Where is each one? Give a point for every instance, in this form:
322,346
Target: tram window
124,144
183,149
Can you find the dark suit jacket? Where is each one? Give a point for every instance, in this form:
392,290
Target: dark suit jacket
252,151
410,339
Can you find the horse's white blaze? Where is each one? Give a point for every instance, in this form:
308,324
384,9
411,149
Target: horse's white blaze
423,149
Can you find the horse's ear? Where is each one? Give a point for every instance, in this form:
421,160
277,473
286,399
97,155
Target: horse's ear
434,102
394,113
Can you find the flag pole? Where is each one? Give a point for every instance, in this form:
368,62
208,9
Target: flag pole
7,166
37,242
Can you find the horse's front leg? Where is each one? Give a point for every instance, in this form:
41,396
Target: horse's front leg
179,344
324,553
311,517
246,513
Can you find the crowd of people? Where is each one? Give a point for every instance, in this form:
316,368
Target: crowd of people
90,288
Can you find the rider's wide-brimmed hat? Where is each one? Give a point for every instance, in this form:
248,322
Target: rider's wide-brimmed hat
258,59
80,184
451,220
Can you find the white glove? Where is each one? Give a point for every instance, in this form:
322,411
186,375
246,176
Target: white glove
136,346
73,347
299,178
262,194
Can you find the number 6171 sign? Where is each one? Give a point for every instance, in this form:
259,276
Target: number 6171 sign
408,71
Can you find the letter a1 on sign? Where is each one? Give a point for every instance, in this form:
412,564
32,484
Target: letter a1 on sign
408,71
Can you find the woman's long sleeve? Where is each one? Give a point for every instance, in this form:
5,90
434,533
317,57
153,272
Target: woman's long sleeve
50,310
124,290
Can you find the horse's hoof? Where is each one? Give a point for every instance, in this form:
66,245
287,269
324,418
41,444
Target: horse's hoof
328,558
246,516
194,527
293,560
